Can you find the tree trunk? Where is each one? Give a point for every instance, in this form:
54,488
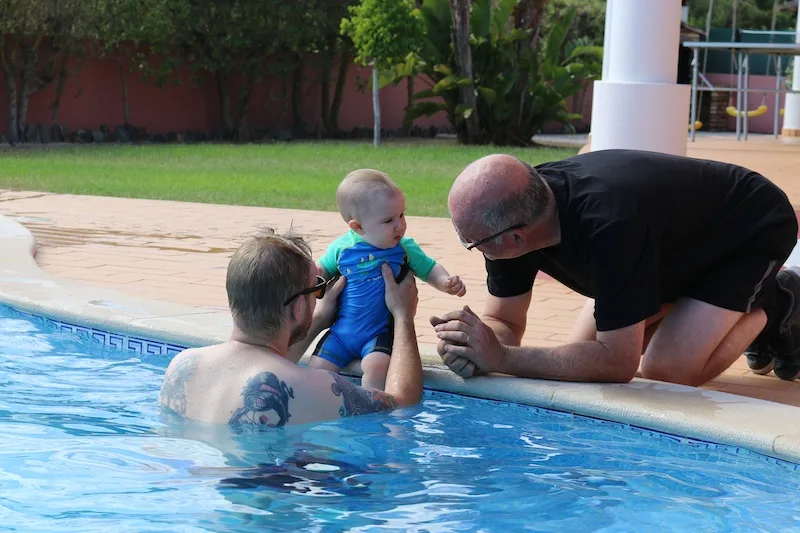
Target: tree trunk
60,83
30,83
410,102
463,56
298,127
284,101
221,77
325,91
126,109
376,108
341,80
10,76
243,110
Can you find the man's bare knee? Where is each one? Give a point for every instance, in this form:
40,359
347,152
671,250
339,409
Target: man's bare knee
660,370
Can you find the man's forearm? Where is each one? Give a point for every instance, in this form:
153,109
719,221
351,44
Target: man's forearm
581,361
404,377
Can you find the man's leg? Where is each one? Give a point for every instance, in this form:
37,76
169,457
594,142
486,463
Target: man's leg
698,341
585,327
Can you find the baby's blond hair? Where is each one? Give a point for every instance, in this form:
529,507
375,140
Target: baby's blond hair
358,188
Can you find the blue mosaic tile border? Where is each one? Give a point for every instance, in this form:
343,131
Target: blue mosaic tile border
140,345
115,341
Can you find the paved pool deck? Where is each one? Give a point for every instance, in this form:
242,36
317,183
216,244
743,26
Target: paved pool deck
178,252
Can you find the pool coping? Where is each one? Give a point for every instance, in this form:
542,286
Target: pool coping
769,428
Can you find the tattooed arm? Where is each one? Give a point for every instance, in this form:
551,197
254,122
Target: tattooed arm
173,389
313,395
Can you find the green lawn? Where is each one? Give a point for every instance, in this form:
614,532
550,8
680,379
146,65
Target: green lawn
294,175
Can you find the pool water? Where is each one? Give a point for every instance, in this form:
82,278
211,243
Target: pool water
84,447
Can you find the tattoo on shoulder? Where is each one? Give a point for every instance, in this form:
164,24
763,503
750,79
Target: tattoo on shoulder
173,390
265,401
358,400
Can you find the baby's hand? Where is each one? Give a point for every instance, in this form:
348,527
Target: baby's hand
454,285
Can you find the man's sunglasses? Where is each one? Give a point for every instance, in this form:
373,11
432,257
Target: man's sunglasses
470,245
317,290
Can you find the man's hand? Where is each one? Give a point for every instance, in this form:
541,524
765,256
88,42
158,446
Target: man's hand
453,285
467,345
401,298
325,311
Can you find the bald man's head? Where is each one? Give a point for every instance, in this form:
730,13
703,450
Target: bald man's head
494,193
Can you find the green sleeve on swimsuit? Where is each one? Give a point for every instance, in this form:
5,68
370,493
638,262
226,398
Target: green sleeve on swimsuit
420,263
330,261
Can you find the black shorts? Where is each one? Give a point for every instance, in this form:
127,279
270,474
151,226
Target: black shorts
745,281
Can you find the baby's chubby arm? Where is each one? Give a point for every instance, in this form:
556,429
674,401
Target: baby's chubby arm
443,281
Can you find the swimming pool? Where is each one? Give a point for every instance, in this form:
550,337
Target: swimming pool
84,447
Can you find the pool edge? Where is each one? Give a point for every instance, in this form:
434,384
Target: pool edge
701,414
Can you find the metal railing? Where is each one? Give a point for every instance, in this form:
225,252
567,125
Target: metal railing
742,89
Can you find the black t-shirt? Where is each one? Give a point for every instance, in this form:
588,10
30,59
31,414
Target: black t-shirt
637,227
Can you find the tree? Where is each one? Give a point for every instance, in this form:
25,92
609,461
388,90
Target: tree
751,14
463,63
383,33
37,36
330,42
521,81
120,24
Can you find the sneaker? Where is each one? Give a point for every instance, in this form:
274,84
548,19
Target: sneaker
786,341
759,364
787,371
760,357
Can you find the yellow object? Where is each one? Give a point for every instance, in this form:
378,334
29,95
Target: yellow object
760,110
697,125
781,111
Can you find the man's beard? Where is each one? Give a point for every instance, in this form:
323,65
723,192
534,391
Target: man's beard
300,330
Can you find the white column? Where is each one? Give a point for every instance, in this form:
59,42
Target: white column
638,104
791,108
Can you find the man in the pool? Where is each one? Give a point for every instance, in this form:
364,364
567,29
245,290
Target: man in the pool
681,259
253,378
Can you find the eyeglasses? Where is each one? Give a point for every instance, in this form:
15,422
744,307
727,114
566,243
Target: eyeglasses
470,245
317,290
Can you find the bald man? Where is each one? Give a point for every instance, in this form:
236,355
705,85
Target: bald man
681,259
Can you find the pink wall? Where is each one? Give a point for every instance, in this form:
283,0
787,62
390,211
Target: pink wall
760,124
94,96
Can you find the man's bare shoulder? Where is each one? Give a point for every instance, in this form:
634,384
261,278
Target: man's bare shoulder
281,396
174,388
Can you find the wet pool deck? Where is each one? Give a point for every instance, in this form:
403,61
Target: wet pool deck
178,252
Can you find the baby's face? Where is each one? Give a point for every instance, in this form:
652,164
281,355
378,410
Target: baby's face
383,223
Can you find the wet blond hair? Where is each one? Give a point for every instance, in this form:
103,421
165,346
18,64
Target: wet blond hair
358,188
266,270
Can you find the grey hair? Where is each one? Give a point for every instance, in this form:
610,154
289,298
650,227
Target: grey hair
526,208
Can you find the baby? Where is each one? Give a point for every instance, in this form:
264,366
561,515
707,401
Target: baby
374,209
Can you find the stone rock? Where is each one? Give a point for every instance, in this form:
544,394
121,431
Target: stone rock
56,133
84,136
45,134
121,134
98,136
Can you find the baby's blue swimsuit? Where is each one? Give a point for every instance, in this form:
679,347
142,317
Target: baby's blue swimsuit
363,324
